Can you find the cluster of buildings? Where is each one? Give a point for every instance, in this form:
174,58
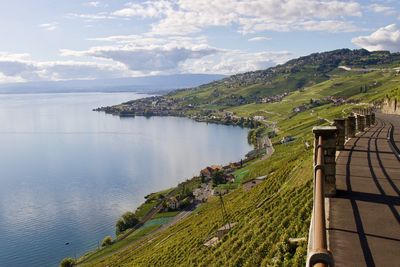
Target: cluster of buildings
227,170
287,139
271,99
313,103
337,101
151,106
207,188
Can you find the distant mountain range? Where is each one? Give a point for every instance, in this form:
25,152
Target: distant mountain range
147,84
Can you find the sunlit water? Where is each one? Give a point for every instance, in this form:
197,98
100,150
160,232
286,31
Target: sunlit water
67,173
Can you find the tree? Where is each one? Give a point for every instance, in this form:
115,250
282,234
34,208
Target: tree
127,220
218,177
67,262
107,241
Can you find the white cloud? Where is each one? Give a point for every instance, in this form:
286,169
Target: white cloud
177,54
147,53
145,59
93,4
134,55
16,66
49,26
253,16
259,38
182,17
19,68
232,61
67,70
144,41
386,38
91,17
148,9
378,8
10,79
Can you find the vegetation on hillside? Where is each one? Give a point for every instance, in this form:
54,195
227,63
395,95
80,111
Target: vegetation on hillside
268,216
291,76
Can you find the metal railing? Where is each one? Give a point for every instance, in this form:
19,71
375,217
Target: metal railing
326,145
318,255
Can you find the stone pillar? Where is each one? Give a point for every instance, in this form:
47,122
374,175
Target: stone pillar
373,118
341,135
360,123
368,120
351,127
329,136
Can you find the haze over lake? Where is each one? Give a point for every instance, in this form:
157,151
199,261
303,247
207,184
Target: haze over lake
67,173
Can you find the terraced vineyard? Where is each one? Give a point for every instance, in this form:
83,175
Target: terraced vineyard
268,216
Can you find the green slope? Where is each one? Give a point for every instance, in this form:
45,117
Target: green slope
291,76
280,207
267,215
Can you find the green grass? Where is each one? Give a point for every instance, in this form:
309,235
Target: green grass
166,214
143,209
241,174
94,256
149,227
158,221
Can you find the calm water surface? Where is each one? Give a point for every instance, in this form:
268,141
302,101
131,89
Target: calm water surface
67,173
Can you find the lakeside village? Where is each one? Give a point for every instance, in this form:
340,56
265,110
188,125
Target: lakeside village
184,107
213,181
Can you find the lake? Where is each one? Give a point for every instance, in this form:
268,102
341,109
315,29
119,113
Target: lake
67,173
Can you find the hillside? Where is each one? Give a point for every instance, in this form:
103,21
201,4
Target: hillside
293,75
273,213
266,86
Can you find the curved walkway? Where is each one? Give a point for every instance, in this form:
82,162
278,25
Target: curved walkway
364,217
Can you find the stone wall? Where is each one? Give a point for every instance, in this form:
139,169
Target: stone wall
391,106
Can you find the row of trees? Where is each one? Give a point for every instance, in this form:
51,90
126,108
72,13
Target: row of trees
128,220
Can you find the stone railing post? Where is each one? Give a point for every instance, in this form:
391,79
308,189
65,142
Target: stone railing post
368,120
373,118
329,136
360,123
341,132
351,127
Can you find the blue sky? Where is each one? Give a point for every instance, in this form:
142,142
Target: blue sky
75,39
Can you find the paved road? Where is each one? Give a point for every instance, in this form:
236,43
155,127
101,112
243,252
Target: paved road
364,226
269,148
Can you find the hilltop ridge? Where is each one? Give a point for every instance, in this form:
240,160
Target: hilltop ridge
322,63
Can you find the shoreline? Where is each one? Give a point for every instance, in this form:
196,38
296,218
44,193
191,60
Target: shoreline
269,150
163,106
150,216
